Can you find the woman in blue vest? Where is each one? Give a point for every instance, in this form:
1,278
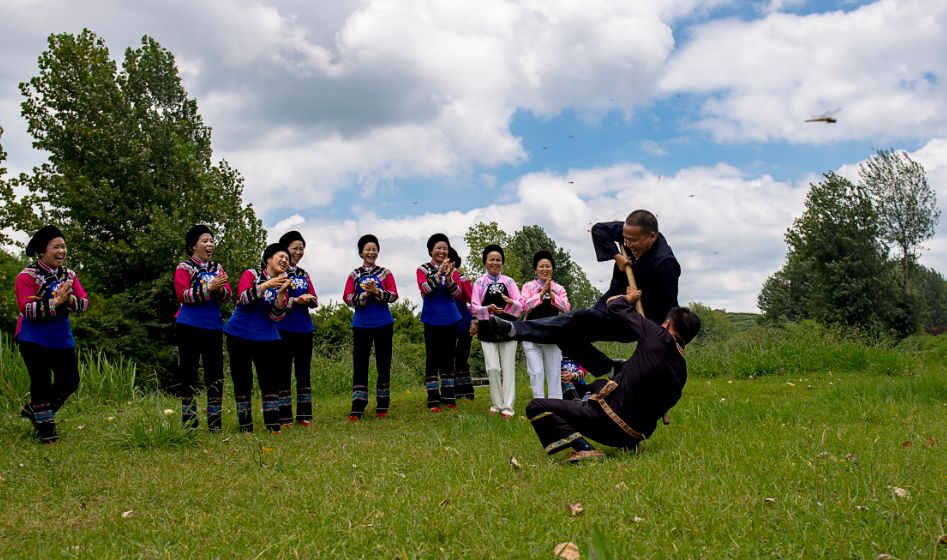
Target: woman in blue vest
370,289
46,294
200,285
296,331
252,338
439,283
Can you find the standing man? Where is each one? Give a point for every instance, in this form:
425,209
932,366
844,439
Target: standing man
624,410
656,273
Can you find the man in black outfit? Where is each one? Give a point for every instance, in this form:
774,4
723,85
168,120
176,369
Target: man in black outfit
656,273
624,410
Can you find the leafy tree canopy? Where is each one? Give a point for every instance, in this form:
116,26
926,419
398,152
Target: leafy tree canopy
129,170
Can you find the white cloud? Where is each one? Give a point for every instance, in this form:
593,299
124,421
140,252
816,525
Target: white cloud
316,98
880,63
726,253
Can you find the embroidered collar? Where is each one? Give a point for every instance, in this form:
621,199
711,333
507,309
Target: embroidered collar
47,268
494,279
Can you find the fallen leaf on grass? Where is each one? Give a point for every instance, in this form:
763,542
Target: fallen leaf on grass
885,556
637,519
931,441
907,443
167,412
942,539
575,509
567,551
790,383
269,449
900,492
444,502
110,418
127,514
823,455
515,464
80,427
225,440
621,486
770,501
851,457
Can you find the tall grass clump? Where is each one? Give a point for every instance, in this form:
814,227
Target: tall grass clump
796,348
101,378
150,427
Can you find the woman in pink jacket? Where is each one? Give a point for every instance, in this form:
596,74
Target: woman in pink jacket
543,297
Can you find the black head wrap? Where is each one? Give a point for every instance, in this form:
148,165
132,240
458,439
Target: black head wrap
367,238
540,255
434,240
453,257
272,250
41,239
192,235
291,236
493,248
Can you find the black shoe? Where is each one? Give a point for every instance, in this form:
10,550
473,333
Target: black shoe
486,331
26,411
502,329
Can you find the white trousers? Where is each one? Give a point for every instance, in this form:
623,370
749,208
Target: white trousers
544,363
499,359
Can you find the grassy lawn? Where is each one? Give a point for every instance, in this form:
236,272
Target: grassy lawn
777,466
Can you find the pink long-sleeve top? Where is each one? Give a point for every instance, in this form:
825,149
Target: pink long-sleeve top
554,302
490,290
200,307
41,321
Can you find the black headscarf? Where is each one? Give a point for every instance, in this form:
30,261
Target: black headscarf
41,239
291,236
270,251
367,238
493,248
540,255
434,240
192,235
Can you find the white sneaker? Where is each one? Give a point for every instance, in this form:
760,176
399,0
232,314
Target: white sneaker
494,410
507,413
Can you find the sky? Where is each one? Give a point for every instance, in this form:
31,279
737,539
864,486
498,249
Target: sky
409,117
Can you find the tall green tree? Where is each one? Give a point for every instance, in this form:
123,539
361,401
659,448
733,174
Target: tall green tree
519,249
837,269
480,235
129,170
906,204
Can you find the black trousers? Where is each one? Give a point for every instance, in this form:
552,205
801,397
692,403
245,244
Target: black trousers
574,333
463,384
439,360
297,349
362,341
558,423
196,344
265,355
54,375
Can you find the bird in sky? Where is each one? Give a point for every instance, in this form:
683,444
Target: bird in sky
827,117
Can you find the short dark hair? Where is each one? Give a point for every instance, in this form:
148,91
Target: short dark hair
647,221
686,323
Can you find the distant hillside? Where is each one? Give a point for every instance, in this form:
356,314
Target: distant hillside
743,321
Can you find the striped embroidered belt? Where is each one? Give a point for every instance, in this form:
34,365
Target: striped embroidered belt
600,399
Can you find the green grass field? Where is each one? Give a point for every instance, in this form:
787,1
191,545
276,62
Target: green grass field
810,464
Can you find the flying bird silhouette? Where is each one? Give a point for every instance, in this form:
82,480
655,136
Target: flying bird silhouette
827,117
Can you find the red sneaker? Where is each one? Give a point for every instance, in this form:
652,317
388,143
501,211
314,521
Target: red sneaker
435,409
353,418
381,415
305,423
452,406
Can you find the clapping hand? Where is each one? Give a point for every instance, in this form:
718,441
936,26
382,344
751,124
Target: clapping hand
63,293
